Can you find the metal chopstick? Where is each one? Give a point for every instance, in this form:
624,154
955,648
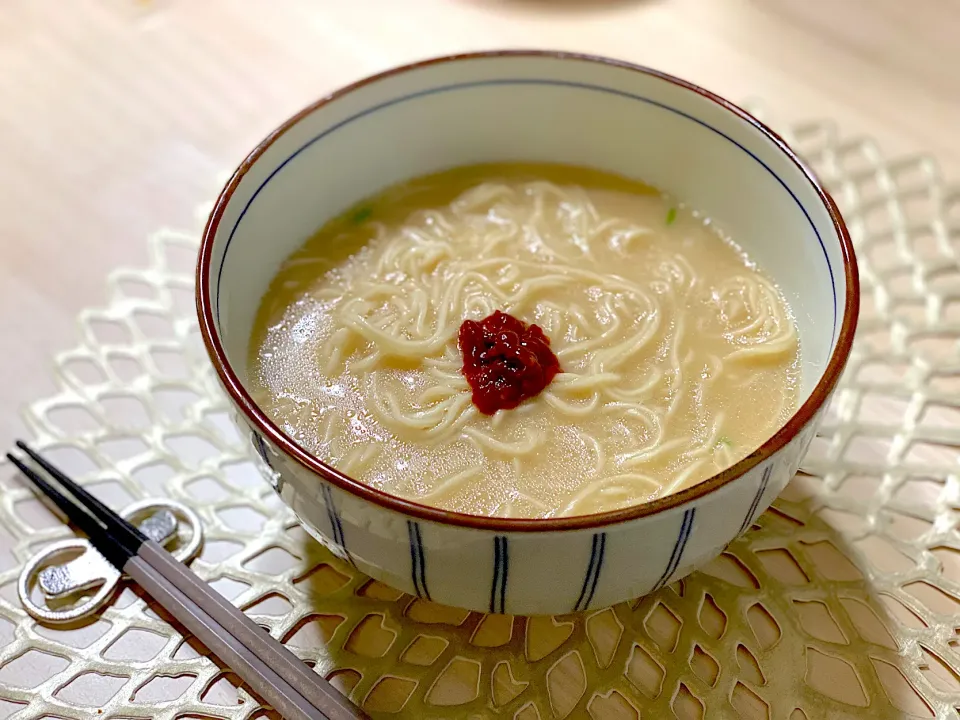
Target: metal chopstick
297,673
271,670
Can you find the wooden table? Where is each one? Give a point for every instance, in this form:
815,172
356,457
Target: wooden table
120,116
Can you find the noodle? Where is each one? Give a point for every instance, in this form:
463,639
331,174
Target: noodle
677,356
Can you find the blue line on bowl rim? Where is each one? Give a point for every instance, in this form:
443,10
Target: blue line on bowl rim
520,81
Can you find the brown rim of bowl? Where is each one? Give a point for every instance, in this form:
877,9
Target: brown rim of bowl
786,433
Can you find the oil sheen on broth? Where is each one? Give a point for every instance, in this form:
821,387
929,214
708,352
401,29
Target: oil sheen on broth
678,357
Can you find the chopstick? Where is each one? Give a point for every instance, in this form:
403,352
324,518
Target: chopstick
272,671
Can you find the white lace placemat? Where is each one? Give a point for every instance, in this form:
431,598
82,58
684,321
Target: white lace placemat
842,603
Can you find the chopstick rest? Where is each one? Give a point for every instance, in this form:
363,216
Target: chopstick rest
76,581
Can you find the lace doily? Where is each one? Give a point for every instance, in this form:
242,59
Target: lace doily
842,602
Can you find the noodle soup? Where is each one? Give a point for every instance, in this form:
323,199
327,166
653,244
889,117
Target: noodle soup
677,355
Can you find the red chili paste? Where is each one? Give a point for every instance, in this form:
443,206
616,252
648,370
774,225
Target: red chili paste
505,361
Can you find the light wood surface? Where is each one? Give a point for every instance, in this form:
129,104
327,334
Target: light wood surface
120,116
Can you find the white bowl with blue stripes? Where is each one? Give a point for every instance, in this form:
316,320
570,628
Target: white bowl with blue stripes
532,106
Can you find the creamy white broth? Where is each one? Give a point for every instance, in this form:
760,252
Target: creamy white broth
678,355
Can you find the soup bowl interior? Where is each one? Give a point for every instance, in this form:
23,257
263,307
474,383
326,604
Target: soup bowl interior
535,107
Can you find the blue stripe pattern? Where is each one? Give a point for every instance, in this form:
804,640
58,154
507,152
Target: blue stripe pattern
764,480
501,566
276,479
418,570
593,572
686,527
261,447
522,82
336,528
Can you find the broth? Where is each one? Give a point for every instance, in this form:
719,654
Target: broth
677,355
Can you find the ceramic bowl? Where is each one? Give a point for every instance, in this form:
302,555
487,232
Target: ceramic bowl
533,106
